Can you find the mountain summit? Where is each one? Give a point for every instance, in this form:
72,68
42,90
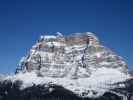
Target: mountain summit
77,63
76,55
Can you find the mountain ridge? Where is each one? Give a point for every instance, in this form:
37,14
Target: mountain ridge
78,48
78,62
74,67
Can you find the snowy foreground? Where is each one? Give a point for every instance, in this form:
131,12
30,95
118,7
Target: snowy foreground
100,82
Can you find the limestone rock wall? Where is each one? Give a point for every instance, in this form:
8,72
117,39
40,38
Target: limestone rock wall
77,55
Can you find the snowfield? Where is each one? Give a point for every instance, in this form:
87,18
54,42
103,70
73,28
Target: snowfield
99,82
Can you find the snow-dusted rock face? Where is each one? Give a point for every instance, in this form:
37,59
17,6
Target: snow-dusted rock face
78,63
74,56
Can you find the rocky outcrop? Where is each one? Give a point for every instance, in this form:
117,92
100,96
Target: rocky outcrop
73,67
77,55
82,38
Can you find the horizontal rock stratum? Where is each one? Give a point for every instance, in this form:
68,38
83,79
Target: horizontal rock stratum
78,63
76,55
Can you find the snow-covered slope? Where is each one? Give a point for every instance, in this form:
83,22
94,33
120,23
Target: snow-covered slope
77,62
97,84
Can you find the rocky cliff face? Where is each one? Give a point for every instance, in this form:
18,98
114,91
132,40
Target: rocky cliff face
74,67
77,55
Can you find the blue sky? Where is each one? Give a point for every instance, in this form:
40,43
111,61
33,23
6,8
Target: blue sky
22,21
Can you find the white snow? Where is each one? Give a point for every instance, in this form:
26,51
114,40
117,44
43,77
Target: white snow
99,81
50,37
57,44
99,54
104,63
42,36
75,47
59,34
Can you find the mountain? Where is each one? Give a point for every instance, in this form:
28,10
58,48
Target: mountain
75,67
77,55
